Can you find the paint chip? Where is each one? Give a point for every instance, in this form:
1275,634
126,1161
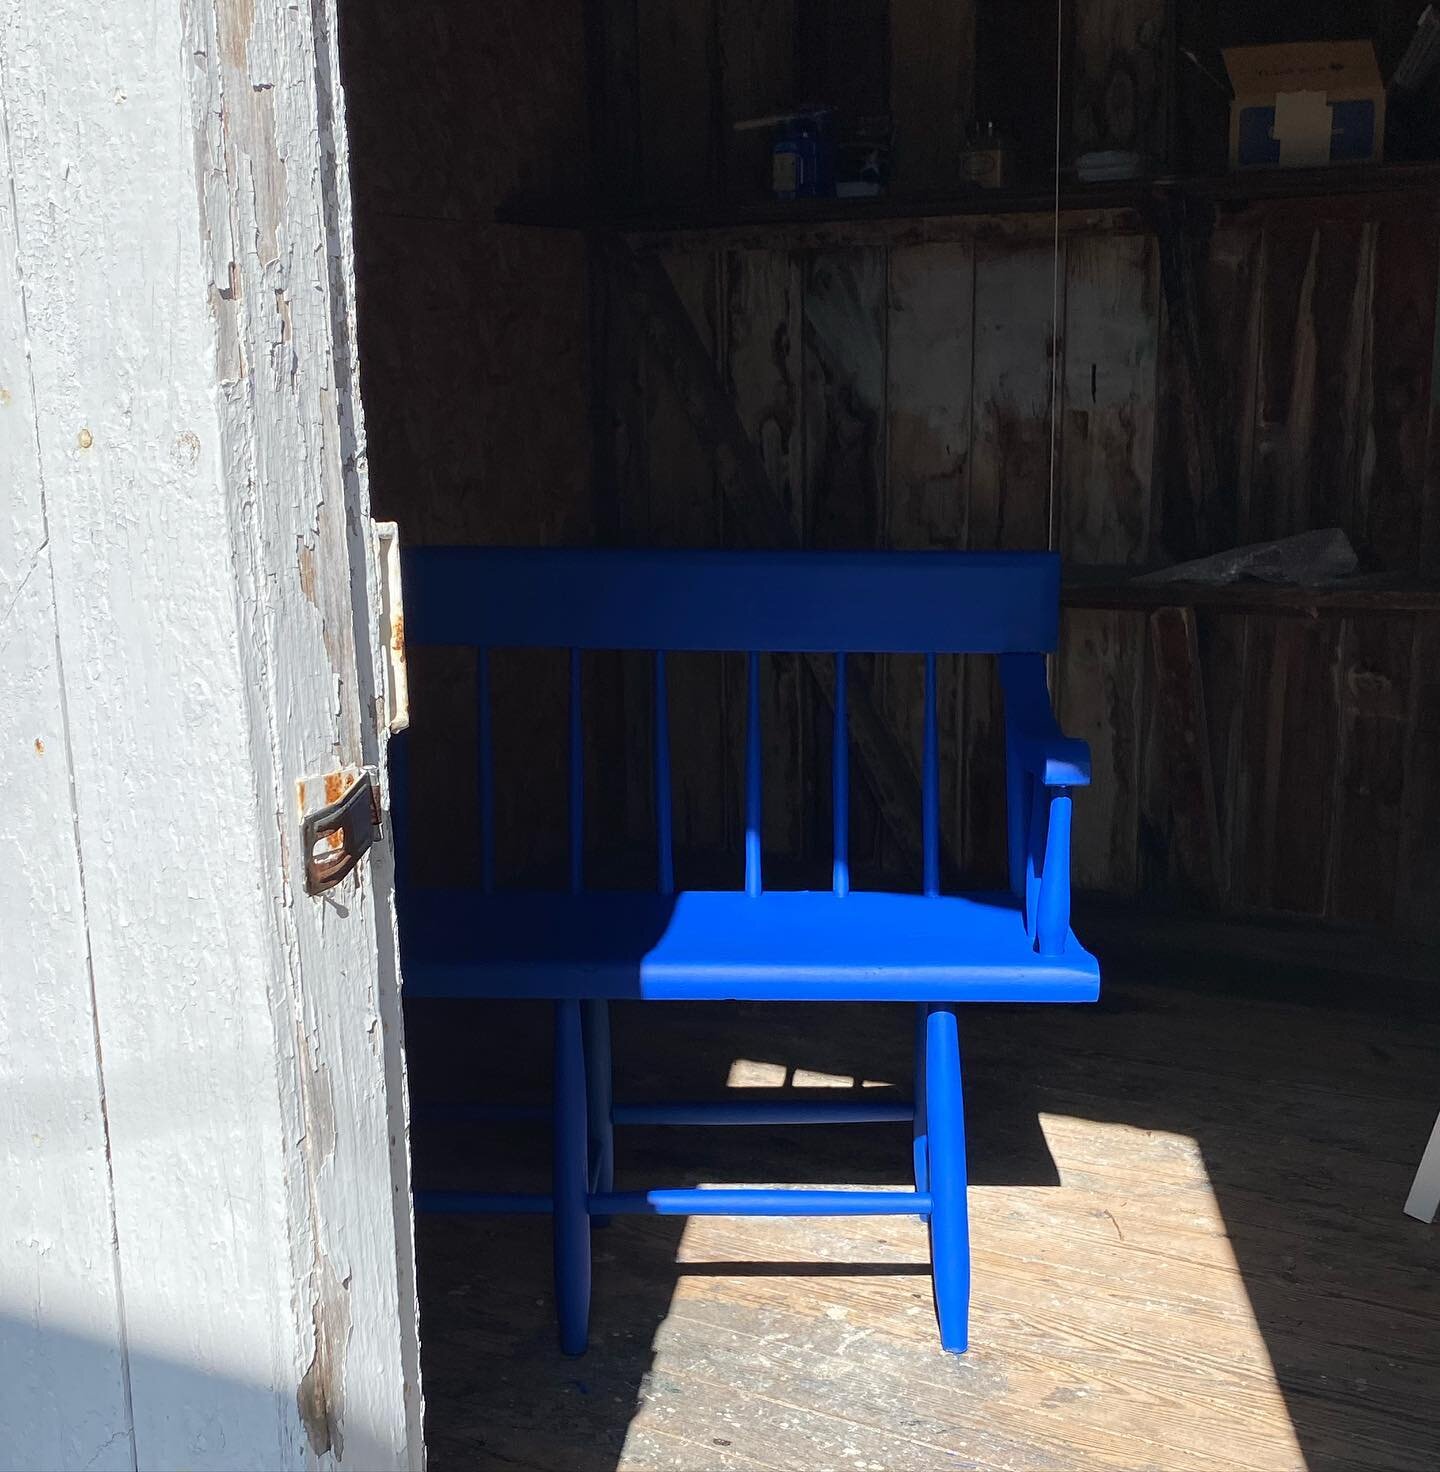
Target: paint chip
185,454
39,747
85,439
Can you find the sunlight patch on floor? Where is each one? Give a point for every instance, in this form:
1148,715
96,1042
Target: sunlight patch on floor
750,1073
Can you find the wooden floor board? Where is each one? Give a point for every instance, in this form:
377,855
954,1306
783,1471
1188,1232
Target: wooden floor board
1189,1250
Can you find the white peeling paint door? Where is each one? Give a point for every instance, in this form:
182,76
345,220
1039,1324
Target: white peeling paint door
205,1238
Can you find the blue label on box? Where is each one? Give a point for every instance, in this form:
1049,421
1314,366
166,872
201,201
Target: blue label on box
1352,133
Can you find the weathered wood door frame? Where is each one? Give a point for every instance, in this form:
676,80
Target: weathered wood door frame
208,1254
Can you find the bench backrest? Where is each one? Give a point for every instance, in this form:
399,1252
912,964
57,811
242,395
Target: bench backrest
767,602
811,603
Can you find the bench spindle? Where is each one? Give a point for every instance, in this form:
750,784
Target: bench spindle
664,819
840,773
577,779
930,782
752,779
486,757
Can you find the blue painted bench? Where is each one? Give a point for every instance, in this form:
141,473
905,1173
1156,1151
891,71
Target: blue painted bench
582,948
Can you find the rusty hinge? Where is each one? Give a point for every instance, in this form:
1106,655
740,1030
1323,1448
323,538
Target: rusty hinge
342,821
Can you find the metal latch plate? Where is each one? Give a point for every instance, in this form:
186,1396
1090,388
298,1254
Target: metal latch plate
342,822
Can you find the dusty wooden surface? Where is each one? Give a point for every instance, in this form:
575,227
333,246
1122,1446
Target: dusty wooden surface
1189,1250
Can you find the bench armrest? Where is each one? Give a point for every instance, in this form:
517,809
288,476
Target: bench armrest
1041,766
1031,731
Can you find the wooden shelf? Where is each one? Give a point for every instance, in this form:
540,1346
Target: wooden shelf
1385,593
891,211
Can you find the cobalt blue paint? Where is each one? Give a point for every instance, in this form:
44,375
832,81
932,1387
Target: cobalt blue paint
930,783
486,744
840,785
718,1201
753,881
949,1219
577,778
585,947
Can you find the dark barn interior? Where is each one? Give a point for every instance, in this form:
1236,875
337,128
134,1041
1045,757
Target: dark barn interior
585,321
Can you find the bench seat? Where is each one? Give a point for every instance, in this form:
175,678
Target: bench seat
783,945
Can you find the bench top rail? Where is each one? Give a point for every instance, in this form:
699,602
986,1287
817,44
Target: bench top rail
766,602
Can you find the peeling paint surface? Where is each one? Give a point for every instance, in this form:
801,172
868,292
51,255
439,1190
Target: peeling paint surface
217,1273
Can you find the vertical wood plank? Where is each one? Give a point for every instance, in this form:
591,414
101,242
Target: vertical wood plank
930,327
1009,500
931,332
1223,641
1107,451
678,102
621,457
1343,442
1232,306
932,90
1417,888
1014,342
1189,861
1313,407
684,511
1279,501
1099,678
1108,424
1288,774
1391,515
844,388
1375,703
845,394
62,1392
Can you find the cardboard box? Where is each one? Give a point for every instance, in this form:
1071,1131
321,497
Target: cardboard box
1305,104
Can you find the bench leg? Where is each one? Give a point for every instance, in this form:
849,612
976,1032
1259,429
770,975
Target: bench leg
571,1182
921,1144
949,1215
599,1098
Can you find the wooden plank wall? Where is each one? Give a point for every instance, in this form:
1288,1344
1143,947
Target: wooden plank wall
899,389
901,395
909,388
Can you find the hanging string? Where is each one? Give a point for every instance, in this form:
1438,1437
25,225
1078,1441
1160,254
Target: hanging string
1051,503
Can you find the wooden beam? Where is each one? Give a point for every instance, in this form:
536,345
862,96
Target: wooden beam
761,516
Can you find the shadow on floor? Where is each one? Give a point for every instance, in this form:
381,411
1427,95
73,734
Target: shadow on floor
1309,1114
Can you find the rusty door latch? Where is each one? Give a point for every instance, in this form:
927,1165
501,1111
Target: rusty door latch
337,835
